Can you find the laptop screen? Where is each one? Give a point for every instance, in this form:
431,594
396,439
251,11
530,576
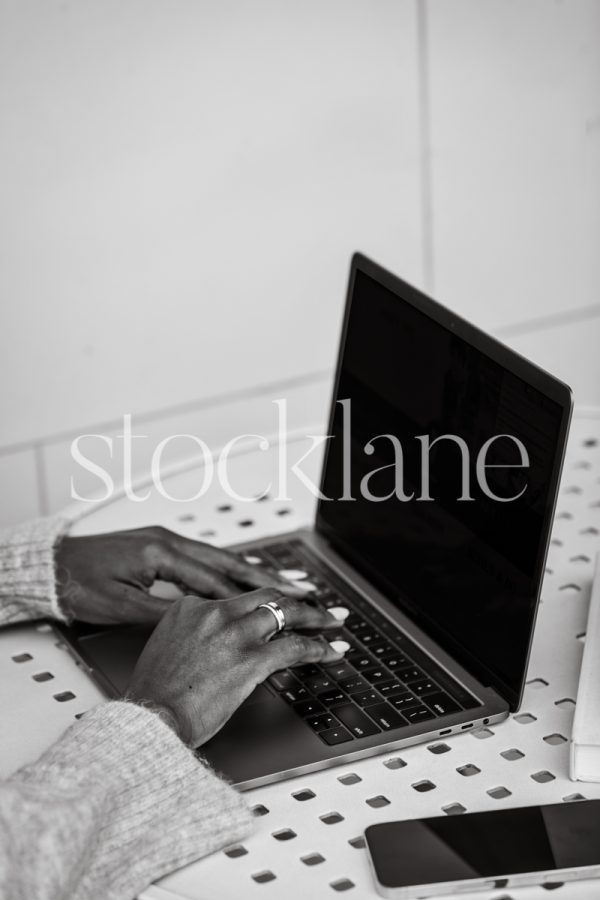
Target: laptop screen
452,533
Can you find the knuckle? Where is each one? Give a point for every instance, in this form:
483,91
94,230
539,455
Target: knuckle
299,644
269,593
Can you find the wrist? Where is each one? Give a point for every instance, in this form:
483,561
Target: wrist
167,715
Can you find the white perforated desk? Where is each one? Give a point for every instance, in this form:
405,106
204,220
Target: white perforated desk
308,836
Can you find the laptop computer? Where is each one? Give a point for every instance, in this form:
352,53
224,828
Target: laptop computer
437,496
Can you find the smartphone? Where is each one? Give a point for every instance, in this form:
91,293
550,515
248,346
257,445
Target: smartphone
487,850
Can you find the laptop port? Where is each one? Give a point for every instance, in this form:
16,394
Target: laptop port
464,727
445,732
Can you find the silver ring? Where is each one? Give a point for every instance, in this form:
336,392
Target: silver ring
277,612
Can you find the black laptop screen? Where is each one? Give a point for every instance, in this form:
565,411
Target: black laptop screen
464,564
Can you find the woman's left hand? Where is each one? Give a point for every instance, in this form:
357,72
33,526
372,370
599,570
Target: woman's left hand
106,578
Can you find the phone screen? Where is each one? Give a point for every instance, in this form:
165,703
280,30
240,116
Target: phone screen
476,845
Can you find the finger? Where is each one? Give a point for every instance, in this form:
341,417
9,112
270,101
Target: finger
128,603
189,575
294,649
233,566
260,623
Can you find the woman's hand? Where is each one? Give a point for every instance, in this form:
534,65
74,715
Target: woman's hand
106,579
204,657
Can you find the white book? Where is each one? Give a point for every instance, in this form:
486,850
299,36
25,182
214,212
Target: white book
585,740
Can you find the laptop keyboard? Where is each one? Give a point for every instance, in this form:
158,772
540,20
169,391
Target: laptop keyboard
384,683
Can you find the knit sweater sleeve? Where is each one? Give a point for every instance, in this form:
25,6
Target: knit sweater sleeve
113,805
27,577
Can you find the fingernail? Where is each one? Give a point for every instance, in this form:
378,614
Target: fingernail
339,646
304,586
292,574
339,613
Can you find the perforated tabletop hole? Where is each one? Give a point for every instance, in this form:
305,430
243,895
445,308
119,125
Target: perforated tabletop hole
264,877
306,794
246,523
284,834
438,749
331,818
224,507
482,734
570,587
186,517
342,884
512,754
454,809
423,786
378,801
499,793
207,533
358,843
283,512
394,763
259,810
350,778
64,696
469,770
590,530
537,683
580,558
235,852
573,798
43,676
543,776
555,739
22,657
312,859
565,703
525,718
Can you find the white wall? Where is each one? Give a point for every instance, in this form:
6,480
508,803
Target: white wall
183,184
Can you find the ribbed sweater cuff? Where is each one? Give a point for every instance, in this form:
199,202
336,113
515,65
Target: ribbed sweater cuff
27,575
163,807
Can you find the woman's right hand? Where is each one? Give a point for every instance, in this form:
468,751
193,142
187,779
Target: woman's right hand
205,657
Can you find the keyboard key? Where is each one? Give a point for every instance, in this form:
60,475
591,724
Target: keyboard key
381,650
405,701
337,735
375,675
309,708
306,671
391,688
408,675
368,636
295,694
320,683
423,687
339,671
332,698
355,684
360,661
418,715
356,721
281,681
395,660
441,703
385,716
354,623
321,723
366,699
